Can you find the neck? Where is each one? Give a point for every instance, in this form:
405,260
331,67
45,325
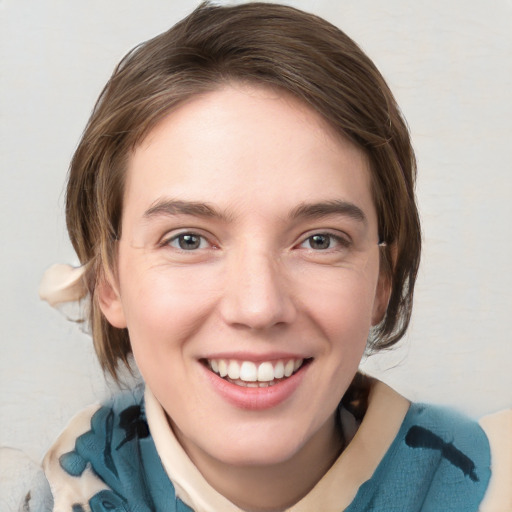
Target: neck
274,487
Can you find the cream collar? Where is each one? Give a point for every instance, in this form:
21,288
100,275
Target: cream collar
334,492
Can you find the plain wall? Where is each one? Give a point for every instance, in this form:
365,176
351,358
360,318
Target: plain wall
449,66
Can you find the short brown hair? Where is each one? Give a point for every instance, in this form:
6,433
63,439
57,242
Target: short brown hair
267,44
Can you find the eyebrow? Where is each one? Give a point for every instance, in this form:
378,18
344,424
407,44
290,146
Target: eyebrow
326,208
167,207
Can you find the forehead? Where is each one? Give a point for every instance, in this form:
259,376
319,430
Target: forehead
240,143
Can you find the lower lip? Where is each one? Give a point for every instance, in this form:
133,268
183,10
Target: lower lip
256,398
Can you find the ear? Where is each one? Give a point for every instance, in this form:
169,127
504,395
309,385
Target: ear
384,284
382,294
109,300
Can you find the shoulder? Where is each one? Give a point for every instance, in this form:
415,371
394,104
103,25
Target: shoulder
103,459
67,488
439,460
459,442
498,428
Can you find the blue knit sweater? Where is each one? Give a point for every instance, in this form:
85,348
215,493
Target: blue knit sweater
439,461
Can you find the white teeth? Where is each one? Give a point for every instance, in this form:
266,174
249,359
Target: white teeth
279,370
265,372
248,372
288,368
223,368
233,370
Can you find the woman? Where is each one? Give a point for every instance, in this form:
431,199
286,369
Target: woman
242,202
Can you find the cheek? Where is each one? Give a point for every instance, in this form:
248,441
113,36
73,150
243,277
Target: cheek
163,306
342,303
344,313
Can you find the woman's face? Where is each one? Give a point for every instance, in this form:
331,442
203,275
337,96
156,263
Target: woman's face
249,246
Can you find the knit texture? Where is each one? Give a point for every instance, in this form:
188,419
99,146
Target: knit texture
438,461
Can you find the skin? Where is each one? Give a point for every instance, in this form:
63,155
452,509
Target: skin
255,287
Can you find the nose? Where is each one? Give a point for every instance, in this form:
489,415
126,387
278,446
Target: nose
257,294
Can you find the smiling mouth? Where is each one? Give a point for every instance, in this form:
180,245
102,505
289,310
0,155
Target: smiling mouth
255,375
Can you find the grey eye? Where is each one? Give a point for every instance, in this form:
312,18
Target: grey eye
188,242
318,242
325,241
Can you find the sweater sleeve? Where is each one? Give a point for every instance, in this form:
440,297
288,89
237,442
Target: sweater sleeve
498,428
71,491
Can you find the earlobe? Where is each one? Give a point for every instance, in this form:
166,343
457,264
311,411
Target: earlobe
110,303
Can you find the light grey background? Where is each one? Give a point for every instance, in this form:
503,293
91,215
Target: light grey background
449,64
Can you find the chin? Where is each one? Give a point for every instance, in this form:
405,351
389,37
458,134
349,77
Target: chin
262,454
265,445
